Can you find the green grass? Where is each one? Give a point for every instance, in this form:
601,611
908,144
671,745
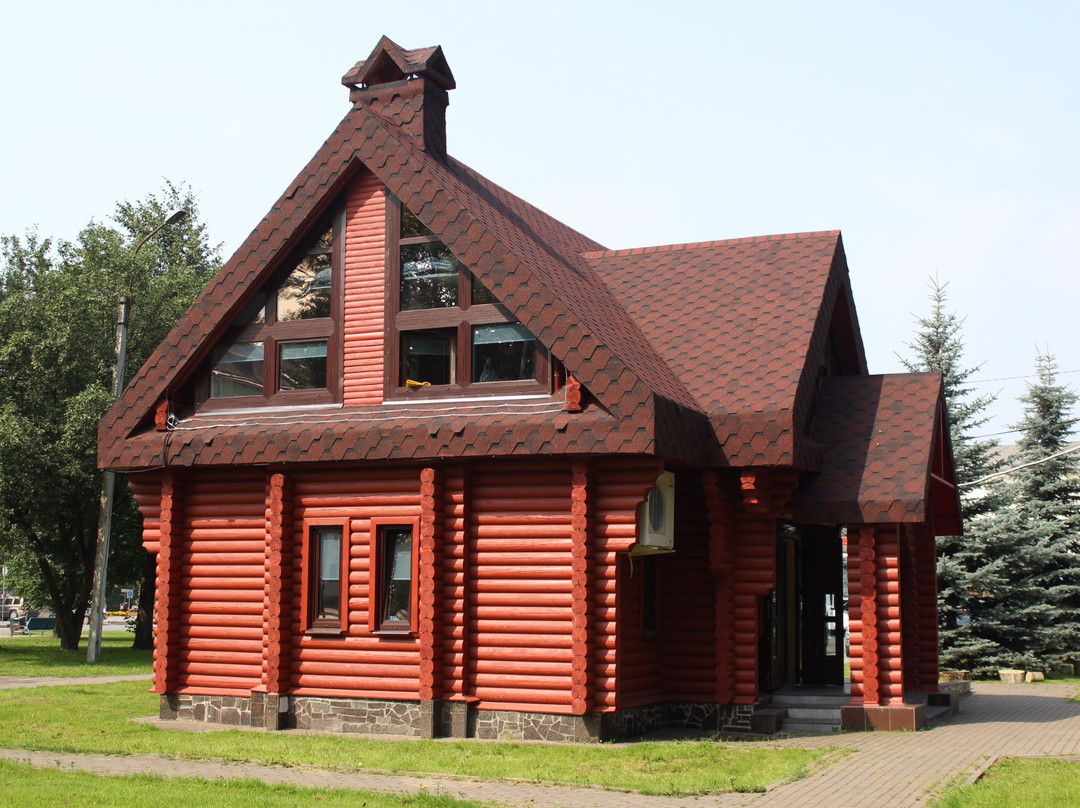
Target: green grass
41,656
24,785
96,719
1045,783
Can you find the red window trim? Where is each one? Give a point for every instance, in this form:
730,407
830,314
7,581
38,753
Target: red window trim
375,584
309,575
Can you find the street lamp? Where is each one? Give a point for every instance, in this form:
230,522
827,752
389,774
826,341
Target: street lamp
108,479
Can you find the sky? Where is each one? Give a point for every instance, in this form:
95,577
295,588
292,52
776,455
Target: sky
941,138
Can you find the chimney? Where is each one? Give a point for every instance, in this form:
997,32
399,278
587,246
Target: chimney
408,88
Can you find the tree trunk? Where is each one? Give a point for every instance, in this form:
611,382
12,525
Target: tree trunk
144,618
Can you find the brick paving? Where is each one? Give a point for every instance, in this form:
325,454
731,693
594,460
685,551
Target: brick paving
882,769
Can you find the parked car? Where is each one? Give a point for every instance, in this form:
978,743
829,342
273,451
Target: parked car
12,607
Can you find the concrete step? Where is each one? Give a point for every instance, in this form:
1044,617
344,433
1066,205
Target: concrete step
837,701
798,726
820,715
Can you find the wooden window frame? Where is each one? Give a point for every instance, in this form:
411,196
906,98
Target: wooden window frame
273,334
310,622
377,623
460,318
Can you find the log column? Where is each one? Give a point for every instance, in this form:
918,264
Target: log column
877,633
277,603
581,676
169,585
430,587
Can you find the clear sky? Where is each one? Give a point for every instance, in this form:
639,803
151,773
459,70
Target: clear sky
939,137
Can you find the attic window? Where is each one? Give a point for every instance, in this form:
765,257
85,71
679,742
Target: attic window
448,333
283,345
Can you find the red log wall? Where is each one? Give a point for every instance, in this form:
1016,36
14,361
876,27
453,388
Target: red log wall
365,291
522,576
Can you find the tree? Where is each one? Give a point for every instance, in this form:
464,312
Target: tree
57,325
938,347
1024,568
1047,481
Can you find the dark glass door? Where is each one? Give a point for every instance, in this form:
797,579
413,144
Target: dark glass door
821,588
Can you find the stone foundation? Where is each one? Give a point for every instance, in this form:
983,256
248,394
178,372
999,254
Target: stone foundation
450,719
357,715
232,711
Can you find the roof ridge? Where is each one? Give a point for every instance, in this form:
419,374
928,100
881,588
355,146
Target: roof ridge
714,243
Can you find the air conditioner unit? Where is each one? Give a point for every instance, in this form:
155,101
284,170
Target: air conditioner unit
656,518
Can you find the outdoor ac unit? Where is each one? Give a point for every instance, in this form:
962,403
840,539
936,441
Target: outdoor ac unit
656,518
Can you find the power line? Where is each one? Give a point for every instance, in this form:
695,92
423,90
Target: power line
1028,376
1008,471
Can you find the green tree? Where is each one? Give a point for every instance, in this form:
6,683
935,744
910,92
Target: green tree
57,325
1024,568
1047,479
938,347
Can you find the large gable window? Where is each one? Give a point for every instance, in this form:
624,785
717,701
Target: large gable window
283,347
447,333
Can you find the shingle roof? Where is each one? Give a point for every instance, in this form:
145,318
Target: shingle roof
532,262
737,321
705,354
879,433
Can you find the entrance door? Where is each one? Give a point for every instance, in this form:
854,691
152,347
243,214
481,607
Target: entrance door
821,622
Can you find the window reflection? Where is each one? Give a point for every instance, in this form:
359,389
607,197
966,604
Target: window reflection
302,365
503,352
305,294
237,370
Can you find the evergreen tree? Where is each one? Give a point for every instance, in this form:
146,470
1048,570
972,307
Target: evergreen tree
1048,499
938,347
57,324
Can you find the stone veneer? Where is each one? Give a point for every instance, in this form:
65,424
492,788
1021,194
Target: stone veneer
448,719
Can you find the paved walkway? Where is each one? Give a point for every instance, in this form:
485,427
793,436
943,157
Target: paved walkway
884,769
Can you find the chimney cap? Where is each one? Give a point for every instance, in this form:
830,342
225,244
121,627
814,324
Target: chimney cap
390,62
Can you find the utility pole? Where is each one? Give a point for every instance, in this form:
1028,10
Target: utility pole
108,479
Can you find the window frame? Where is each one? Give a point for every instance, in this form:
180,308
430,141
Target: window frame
460,318
377,622
310,622
274,333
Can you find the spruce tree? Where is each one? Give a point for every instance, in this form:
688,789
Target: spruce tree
1047,480
938,347
1021,566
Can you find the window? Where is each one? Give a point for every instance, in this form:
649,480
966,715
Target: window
447,334
283,346
326,600
393,588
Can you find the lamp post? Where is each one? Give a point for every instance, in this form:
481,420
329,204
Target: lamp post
108,479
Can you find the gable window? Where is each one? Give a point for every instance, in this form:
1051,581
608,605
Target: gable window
283,347
393,581
325,580
447,334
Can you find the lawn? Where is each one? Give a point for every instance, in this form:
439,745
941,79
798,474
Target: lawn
41,656
25,785
1043,782
97,719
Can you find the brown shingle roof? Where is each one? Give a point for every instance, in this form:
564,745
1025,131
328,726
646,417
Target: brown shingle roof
530,260
742,323
879,433
705,354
